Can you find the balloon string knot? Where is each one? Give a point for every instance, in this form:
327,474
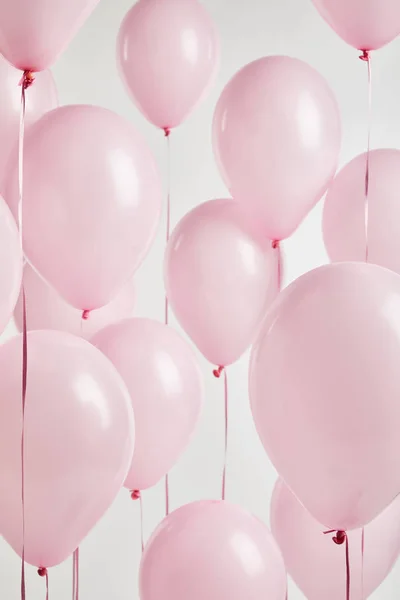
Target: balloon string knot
85,315
42,572
135,495
364,56
27,79
275,244
217,372
340,536
167,131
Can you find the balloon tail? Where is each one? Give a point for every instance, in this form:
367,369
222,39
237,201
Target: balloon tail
42,572
341,538
167,132
217,373
26,81
75,575
362,562
136,495
85,315
366,57
276,246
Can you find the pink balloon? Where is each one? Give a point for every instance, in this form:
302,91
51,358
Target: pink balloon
364,25
221,276
277,137
168,54
317,565
42,97
212,550
34,32
166,389
10,264
344,211
324,390
79,436
47,310
91,205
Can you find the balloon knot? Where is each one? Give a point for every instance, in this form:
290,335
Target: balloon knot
27,79
85,315
135,494
364,56
167,131
275,244
42,572
340,536
217,372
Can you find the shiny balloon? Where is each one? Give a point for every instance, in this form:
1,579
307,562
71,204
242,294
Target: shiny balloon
276,137
78,443
212,550
325,387
165,384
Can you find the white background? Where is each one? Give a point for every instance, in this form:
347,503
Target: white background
86,73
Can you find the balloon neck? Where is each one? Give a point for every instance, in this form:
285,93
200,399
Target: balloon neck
217,372
275,244
85,315
42,572
27,79
167,131
135,495
340,536
364,55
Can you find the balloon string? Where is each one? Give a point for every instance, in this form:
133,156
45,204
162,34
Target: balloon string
340,538
75,575
217,373
42,572
365,56
276,246
136,495
167,132
362,562
26,80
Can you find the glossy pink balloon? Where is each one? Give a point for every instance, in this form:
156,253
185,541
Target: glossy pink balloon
168,53
276,135
45,309
221,276
42,97
34,32
212,550
91,205
10,264
344,211
364,25
324,390
317,565
79,436
166,389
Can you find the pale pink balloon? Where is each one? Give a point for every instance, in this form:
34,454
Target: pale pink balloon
91,206
276,136
10,264
221,276
344,211
212,550
34,32
45,309
364,25
166,389
318,565
324,390
79,437
168,53
42,97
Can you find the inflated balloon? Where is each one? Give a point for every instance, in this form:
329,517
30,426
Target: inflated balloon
165,385
344,211
317,565
92,198
168,53
78,440
10,264
41,98
364,25
214,550
34,32
276,135
324,390
45,309
221,274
